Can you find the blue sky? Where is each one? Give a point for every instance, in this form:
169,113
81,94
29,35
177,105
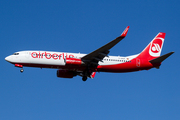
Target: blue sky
83,26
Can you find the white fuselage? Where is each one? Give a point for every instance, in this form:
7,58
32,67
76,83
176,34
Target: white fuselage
43,58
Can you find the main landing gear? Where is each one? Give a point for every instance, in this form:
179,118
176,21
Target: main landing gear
86,73
84,78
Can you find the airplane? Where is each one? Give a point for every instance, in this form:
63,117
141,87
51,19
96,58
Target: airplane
70,65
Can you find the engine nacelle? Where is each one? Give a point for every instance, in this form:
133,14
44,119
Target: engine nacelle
65,74
74,61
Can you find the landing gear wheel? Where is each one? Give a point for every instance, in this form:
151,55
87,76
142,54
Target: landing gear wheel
21,70
84,78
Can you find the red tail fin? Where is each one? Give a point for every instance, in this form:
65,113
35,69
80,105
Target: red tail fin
153,50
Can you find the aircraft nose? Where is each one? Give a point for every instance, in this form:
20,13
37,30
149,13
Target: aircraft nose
8,58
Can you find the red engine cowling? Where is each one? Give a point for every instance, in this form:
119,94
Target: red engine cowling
74,61
65,74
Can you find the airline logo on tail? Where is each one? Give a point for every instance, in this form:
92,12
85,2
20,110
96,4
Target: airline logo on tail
156,46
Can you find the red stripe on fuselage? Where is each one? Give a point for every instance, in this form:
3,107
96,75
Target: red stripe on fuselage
126,67
117,68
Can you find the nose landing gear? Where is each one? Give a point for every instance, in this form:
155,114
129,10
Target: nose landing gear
21,70
21,66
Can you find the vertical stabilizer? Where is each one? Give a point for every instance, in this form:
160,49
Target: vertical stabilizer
153,49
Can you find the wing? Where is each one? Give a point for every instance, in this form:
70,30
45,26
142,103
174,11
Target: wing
94,57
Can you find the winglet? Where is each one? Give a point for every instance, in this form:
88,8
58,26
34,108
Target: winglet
125,32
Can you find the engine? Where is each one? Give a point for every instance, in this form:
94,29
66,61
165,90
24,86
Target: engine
74,61
65,74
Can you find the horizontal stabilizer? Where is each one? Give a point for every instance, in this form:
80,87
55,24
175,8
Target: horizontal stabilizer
161,58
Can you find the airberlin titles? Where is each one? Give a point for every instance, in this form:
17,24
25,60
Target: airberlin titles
54,56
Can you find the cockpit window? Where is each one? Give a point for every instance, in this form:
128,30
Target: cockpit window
16,54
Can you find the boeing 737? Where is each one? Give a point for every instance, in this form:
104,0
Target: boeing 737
70,65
